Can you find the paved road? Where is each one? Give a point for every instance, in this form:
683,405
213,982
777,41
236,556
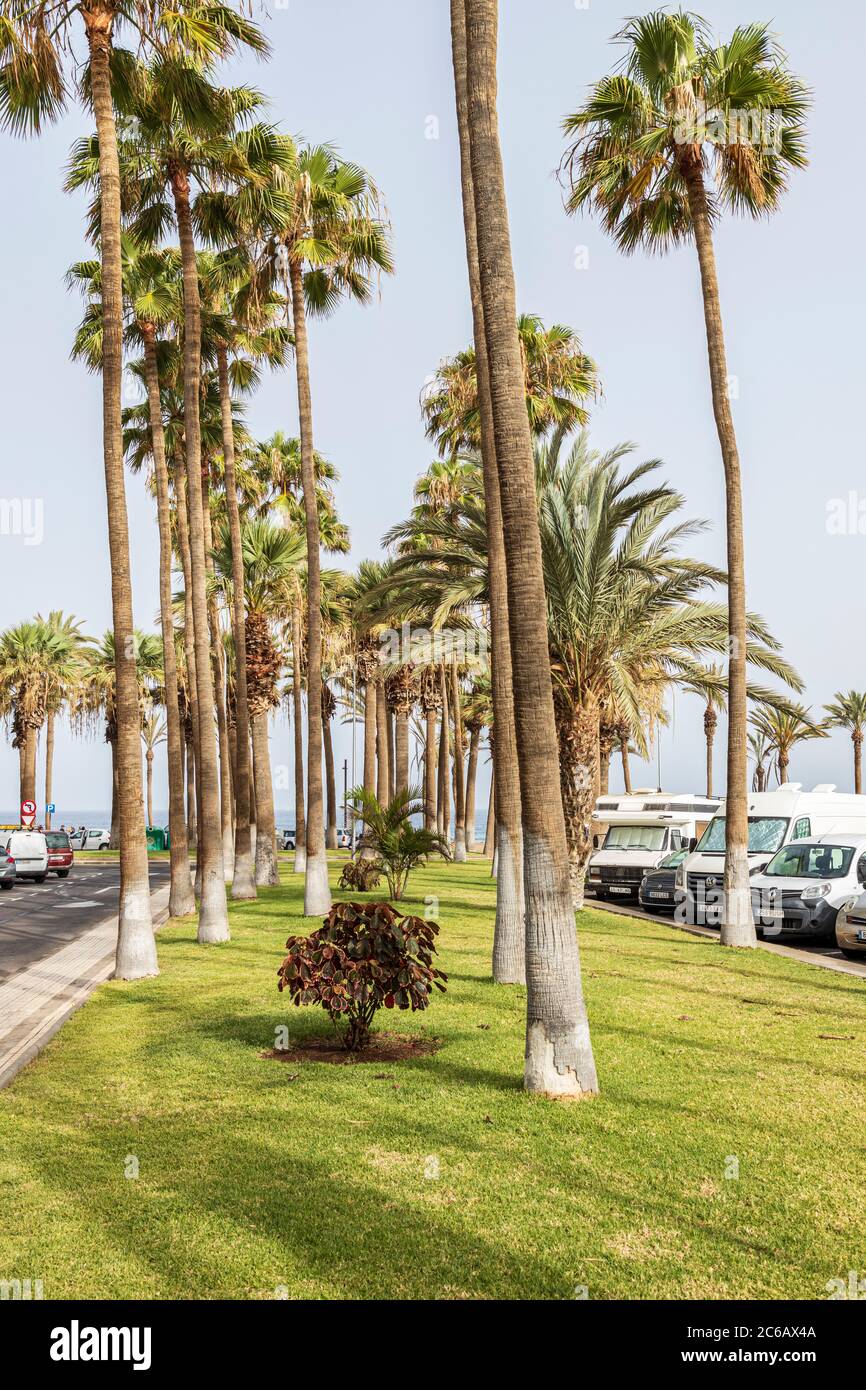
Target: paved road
38,918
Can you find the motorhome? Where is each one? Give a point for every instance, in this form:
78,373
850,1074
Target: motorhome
643,828
776,818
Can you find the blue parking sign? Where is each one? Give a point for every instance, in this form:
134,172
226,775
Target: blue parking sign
51,809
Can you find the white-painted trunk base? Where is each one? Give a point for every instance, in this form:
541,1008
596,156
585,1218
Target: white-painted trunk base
460,850
300,864
738,925
136,945
213,914
228,854
559,1059
509,935
244,881
317,892
181,898
267,872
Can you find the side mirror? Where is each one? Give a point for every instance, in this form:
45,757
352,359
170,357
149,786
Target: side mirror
861,874
595,842
693,844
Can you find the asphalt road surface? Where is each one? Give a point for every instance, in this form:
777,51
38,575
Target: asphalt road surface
38,918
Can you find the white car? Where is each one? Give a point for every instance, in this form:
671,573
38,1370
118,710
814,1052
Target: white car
806,884
29,849
90,839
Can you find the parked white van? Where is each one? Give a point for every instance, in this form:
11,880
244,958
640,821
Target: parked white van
643,828
29,849
806,884
776,818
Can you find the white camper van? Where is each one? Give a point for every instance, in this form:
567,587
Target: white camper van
642,829
776,818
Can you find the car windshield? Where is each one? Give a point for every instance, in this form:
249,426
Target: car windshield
811,861
766,833
635,837
674,860
57,839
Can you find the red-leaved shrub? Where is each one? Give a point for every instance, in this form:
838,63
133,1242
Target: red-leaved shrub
365,957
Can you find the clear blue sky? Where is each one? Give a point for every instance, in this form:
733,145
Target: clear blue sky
369,78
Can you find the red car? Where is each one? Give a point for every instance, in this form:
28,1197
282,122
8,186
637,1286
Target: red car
60,856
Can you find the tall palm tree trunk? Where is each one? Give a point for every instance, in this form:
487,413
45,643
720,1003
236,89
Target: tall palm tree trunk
737,928
489,837
218,661
267,871
430,768
559,1058
244,879
383,771
578,730
710,722
191,817
401,750
509,956
626,765
459,771
443,806
857,737
213,924
330,773
298,713
471,776
136,946
114,833
49,763
181,900
181,493
149,761
371,692
317,893
28,765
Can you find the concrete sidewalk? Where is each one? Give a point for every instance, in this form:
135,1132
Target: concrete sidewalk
38,1000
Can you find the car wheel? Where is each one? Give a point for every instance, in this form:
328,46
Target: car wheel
62,873
39,878
6,883
852,955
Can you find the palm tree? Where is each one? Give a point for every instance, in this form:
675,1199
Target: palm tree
783,729
330,243
153,733
97,698
62,678
759,750
640,155
559,1057
152,294
40,664
272,559
182,137
626,613
848,711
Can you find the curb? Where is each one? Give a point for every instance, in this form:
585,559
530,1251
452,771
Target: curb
36,1027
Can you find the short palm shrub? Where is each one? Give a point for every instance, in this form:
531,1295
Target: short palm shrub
361,874
365,957
396,845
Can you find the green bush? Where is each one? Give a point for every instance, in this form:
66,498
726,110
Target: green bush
366,956
397,845
361,874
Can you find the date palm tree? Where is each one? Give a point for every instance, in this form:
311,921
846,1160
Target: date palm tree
641,150
559,1057
848,711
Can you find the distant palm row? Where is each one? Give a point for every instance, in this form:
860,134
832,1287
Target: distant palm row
217,235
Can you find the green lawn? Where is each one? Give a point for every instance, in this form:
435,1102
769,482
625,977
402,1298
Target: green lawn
438,1177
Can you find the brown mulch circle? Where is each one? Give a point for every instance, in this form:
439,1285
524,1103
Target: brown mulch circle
383,1047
